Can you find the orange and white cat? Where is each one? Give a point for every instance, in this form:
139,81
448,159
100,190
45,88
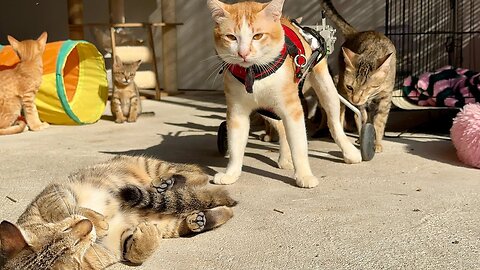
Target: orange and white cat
20,85
251,33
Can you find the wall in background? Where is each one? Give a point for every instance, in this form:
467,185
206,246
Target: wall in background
197,61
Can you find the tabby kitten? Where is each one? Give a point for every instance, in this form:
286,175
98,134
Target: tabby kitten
367,73
251,34
20,85
111,212
126,103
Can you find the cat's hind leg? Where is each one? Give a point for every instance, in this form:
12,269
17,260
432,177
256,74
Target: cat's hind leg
323,85
238,127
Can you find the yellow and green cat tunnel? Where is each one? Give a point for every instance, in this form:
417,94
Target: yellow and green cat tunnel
74,87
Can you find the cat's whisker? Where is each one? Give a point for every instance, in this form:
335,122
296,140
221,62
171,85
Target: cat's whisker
99,258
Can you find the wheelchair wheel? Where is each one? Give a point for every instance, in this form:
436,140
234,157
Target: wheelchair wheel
222,141
367,142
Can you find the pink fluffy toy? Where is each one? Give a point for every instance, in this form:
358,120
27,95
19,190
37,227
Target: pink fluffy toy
465,134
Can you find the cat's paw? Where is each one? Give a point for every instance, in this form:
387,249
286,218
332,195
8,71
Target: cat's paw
224,179
162,184
99,221
196,222
378,148
41,126
120,120
352,156
285,163
131,119
142,243
265,138
307,181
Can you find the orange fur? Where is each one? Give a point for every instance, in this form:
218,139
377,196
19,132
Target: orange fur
248,34
20,85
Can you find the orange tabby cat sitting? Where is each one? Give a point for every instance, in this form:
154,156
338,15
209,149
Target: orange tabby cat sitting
20,85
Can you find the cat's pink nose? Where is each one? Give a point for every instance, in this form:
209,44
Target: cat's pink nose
244,54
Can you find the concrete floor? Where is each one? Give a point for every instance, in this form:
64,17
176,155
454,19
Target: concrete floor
415,206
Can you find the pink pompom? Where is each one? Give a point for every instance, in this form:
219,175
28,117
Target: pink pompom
465,134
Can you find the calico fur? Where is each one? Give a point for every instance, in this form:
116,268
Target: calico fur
248,33
19,86
115,211
367,67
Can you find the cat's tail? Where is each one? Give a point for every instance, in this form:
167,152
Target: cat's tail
175,201
18,128
332,13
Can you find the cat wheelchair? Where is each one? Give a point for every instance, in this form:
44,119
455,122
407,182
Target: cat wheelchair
322,40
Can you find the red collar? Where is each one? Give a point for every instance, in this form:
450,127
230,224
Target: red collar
293,46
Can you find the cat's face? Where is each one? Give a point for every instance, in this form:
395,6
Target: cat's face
364,78
29,49
124,73
46,246
247,33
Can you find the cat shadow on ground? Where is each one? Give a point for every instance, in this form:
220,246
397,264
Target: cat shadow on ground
201,148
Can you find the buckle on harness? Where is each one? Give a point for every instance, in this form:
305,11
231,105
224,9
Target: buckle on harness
302,58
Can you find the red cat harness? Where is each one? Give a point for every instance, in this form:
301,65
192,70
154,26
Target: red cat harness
293,46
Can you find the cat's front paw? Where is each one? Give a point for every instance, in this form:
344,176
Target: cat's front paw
378,148
131,119
142,243
352,156
285,163
41,126
196,222
99,221
120,120
307,181
224,179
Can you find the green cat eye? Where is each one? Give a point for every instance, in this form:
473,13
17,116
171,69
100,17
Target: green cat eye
231,37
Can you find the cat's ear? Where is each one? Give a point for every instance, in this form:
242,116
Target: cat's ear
13,42
218,10
299,20
137,63
117,62
274,9
42,39
384,63
349,57
11,238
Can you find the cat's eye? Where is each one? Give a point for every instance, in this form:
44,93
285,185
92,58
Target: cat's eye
349,87
231,37
257,36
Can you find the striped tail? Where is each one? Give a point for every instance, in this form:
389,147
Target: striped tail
176,201
346,28
14,129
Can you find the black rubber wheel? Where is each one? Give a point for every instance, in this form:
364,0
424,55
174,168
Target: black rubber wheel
367,142
222,141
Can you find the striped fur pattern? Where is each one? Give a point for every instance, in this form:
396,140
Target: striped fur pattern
114,211
20,85
367,67
126,104
250,33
